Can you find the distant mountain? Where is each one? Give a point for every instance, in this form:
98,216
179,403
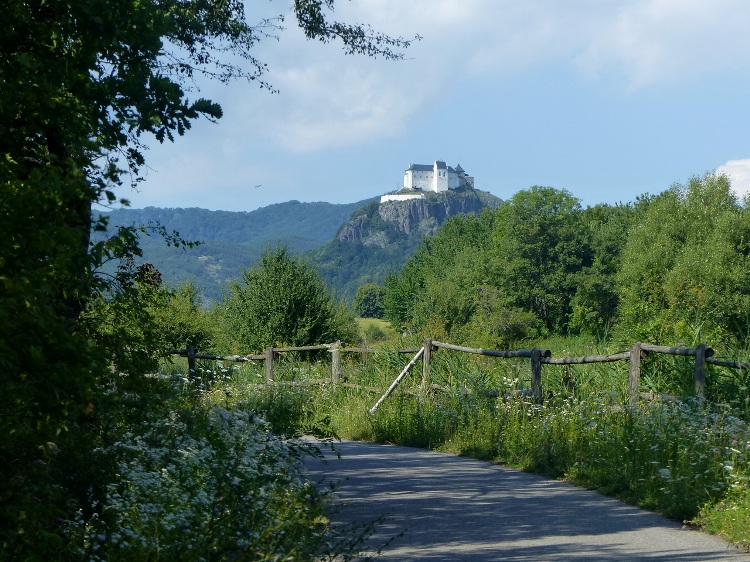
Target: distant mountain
349,244
380,237
232,241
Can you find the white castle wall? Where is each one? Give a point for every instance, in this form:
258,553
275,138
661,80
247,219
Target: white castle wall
423,177
400,197
438,177
419,180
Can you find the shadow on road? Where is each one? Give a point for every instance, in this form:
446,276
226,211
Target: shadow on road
453,508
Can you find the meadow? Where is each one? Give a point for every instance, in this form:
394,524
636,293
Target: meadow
672,453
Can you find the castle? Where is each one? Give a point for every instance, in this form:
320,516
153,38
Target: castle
435,177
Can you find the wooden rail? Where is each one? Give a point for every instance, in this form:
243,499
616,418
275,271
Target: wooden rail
398,380
271,352
490,352
730,364
538,357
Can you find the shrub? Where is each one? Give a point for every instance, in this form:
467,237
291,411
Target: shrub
369,301
283,301
199,484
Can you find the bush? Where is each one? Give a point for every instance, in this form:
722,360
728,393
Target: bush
194,484
282,301
369,301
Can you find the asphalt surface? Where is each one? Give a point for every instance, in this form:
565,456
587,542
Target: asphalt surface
433,506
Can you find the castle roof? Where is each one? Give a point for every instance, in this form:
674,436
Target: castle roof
421,167
441,165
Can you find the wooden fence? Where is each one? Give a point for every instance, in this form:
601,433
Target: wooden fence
271,352
703,355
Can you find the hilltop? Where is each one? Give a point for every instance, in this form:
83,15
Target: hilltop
380,237
350,244
232,241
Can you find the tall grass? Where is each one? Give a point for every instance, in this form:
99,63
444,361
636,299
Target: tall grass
684,457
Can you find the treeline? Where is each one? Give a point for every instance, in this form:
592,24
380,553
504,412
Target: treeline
668,269
671,268
280,301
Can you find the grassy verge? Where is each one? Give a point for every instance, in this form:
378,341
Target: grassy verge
376,331
685,458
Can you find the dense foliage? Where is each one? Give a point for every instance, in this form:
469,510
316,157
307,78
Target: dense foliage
537,264
83,83
282,301
686,266
368,301
665,269
204,484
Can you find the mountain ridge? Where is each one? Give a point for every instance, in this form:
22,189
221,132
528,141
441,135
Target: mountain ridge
349,244
380,237
231,241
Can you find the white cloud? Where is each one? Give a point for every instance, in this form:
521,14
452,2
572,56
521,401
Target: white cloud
324,107
330,100
658,41
738,172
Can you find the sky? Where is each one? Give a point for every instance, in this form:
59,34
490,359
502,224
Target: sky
608,99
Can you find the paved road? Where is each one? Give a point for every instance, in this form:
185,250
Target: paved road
444,507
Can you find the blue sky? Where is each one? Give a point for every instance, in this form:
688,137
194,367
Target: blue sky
607,99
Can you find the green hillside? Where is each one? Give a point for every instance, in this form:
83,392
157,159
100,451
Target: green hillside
380,237
231,241
350,244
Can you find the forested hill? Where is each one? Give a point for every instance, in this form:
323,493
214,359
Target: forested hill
380,237
232,241
312,222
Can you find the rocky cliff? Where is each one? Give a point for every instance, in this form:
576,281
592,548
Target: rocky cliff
408,215
381,223
380,237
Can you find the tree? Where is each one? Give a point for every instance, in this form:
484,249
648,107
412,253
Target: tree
83,81
506,274
368,301
282,301
594,305
539,248
82,84
182,321
435,290
685,267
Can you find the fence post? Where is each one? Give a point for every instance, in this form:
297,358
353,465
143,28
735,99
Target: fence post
536,374
426,358
700,373
191,362
336,362
269,364
634,374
